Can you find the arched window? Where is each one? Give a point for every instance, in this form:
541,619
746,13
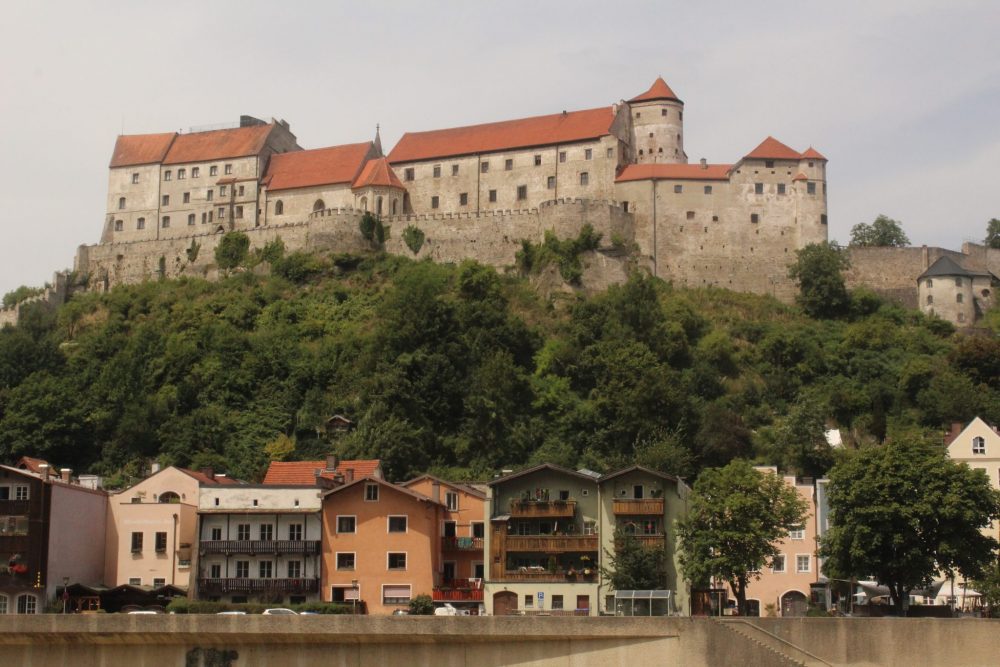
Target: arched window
364,203
140,223
121,203
396,201
27,604
978,445
930,282
279,207
378,206
318,205
169,497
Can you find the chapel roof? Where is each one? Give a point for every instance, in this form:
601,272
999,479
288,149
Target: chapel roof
565,127
658,91
303,473
320,166
772,149
378,172
674,172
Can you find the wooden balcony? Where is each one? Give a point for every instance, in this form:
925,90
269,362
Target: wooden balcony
258,585
14,507
265,547
644,507
543,509
544,576
658,540
462,543
459,590
552,543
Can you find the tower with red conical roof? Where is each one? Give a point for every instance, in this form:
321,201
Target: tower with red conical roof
657,117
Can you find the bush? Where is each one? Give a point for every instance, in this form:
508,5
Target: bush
232,250
566,253
414,238
297,267
422,605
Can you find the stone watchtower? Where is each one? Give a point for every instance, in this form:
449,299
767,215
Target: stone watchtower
658,126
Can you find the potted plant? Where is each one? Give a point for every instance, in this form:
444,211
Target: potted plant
585,561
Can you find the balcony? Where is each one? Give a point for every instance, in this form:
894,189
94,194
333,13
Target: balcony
258,585
459,590
542,575
462,543
644,507
264,547
656,540
543,509
14,507
551,543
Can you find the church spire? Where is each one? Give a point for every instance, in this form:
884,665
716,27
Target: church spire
378,141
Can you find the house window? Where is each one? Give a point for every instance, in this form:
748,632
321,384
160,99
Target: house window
811,188
279,207
484,166
345,561
529,601
121,203
690,215
167,175
213,170
434,201
797,533
754,217
781,188
266,532
294,569
397,524
551,183
295,532
242,569
463,199
397,561
562,156
588,154
166,200
229,169
161,543
135,178
371,492
166,221
222,190
437,171
538,160
347,524
140,223
758,188
408,174
522,192
678,189
210,195
239,211
243,531
187,197
215,571
584,178
396,594
557,602
119,226
135,581
195,172
191,219
265,568
158,582
493,196
240,191
136,543
181,174
778,564
454,170
978,445
803,562
451,501
708,189
216,534
508,164
958,298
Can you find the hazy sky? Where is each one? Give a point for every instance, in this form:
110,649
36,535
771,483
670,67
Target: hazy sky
902,97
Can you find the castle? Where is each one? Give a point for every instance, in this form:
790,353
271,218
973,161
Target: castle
475,192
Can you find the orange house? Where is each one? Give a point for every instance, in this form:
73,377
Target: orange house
380,544
460,579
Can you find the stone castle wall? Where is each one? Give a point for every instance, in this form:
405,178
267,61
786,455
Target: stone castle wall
53,297
893,272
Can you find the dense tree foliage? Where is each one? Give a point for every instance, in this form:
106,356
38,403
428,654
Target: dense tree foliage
884,231
993,233
460,370
904,511
819,271
634,566
735,519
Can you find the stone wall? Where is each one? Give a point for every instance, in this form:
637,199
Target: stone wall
53,297
893,272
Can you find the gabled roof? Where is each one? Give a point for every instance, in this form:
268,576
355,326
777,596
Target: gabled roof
658,91
800,177
541,466
454,485
303,473
218,144
377,172
638,468
320,166
205,479
946,266
137,149
772,149
565,127
381,482
958,429
674,172
813,154
32,464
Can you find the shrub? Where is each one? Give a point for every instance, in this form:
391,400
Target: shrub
232,250
414,238
297,267
422,605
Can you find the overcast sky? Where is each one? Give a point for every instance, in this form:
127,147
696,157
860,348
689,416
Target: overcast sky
902,97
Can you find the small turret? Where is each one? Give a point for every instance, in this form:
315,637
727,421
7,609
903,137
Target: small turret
658,125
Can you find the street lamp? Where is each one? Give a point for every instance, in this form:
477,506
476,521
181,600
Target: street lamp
354,598
65,593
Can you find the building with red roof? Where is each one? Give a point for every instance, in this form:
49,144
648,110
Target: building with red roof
332,469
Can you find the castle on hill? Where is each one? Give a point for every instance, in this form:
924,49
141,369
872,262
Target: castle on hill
475,192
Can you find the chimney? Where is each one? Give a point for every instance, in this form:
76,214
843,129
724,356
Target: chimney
43,469
348,475
331,462
65,474
208,472
154,468
436,490
704,163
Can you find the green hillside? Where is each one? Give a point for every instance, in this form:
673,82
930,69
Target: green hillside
463,371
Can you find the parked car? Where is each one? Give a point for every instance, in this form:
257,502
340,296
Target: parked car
450,610
280,611
232,613
400,612
143,612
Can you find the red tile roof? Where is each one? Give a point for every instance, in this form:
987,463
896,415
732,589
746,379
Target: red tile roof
378,172
321,166
674,172
772,149
523,133
136,149
205,479
32,464
303,473
658,91
218,144
813,154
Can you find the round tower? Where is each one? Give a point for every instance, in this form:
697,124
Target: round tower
658,126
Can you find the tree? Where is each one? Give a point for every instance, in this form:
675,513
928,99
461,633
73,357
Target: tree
818,269
635,566
737,515
232,250
903,512
883,232
422,605
993,233
280,448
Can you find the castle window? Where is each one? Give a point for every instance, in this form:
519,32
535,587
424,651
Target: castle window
378,206
538,160
140,223
222,213
463,199
650,135
454,170
588,154
508,164
493,196
690,215
678,189
135,178
121,203
958,282
181,174
395,203
318,205
279,207
437,171
222,190
769,164
187,197
961,317
930,299
640,151
434,201
678,138
562,156
213,170
754,217
195,172
364,203
811,188
659,150
484,166
191,219
522,192
638,114
715,218
822,219
241,191
408,174
930,282
119,226
551,183
239,211
584,178
978,445
166,200
758,188
167,175
663,112
708,189
958,298
611,153
781,188
810,164
166,221
204,218
229,169
680,115
210,214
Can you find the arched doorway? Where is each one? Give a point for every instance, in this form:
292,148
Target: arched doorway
794,603
504,603
169,497
318,205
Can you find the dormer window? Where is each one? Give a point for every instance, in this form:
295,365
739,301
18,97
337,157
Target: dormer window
979,445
